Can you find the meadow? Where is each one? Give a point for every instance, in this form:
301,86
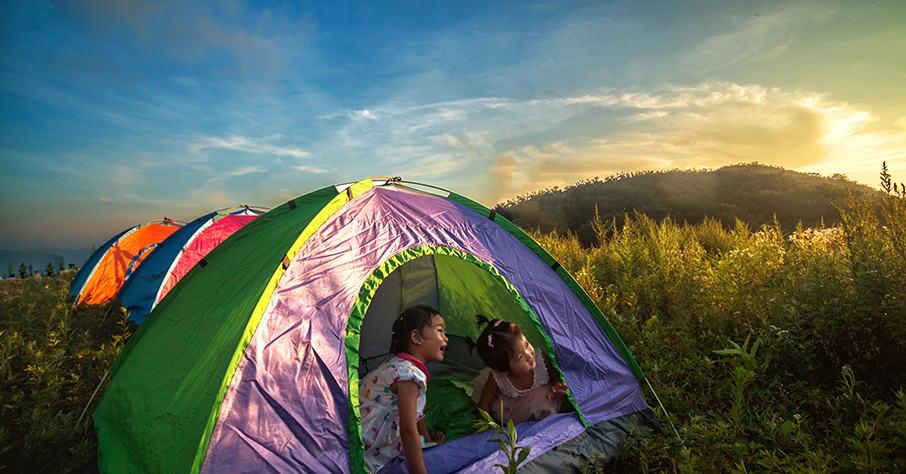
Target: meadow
771,351
52,359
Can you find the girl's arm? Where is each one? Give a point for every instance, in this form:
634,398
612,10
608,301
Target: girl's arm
558,388
422,426
431,437
488,393
407,396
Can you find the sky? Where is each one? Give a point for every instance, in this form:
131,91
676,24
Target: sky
118,112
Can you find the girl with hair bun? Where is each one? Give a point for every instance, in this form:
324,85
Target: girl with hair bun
518,375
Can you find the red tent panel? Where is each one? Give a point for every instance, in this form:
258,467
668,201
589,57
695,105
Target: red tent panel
201,245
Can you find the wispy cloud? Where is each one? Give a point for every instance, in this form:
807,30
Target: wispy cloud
310,169
258,146
713,125
533,144
135,107
257,41
754,37
655,114
241,172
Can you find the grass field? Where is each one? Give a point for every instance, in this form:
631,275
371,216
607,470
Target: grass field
771,352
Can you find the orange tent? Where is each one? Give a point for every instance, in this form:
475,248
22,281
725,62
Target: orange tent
119,259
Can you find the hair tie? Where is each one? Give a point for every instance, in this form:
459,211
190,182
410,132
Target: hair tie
498,323
490,344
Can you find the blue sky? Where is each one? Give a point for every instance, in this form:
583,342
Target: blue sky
116,112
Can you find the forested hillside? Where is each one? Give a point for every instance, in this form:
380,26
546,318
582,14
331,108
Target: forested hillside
752,193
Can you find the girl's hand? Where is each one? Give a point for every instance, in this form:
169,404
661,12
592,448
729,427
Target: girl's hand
438,437
557,390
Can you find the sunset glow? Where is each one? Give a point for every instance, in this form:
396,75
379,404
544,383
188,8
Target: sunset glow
117,116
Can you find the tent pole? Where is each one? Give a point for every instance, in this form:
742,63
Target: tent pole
665,410
92,398
109,305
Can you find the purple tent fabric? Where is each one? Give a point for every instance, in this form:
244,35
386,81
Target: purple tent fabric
286,406
475,455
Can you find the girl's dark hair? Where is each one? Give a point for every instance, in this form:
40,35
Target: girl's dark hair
497,343
416,317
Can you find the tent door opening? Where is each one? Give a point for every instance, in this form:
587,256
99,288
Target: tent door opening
459,290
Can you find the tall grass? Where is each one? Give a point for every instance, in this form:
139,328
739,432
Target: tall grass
52,358
773,352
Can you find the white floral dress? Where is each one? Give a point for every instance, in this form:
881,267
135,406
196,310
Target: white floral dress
379,409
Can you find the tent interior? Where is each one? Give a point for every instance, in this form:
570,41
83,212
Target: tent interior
458,290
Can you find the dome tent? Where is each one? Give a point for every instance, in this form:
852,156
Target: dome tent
253,365
220,228
105,271
173,257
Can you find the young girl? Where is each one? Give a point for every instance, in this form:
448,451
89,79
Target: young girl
519,375
392,397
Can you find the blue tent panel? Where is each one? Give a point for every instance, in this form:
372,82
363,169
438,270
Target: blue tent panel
138,292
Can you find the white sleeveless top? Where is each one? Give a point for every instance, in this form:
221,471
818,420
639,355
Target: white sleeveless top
531,404
505,388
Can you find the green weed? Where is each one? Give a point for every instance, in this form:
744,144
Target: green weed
506,439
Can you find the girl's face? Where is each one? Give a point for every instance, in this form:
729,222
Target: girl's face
434,340
522,360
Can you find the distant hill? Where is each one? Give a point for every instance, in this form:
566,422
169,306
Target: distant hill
752,193
39,260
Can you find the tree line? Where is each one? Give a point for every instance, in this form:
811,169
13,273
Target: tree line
752,193
28,271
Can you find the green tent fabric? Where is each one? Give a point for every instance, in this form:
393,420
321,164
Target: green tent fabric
228,296
251,363
449,409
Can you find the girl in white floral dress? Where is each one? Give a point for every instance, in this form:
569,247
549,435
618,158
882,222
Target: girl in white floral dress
392,397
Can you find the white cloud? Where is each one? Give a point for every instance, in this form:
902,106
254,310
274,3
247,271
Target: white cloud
709,125
754,37
310,169
365,114
246,144
242,171
655,114
259,41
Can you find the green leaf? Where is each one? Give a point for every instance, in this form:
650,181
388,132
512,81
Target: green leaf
481,428
523,455
728,352
503,444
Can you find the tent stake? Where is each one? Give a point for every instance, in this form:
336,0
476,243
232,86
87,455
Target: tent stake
91,399
665,410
